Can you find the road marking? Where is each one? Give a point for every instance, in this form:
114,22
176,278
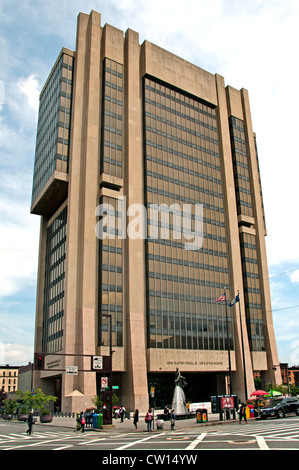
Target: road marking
62,448
138,442
261,443
7,436
196,441
37,444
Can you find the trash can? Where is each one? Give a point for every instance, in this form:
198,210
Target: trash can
250,411
201,415
100,420
159,423
95,421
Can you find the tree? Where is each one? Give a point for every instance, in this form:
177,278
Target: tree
98,403
115,399
10,406
3,396
36,400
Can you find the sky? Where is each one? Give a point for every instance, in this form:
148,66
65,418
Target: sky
253,44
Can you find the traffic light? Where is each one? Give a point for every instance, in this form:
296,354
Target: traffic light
39,361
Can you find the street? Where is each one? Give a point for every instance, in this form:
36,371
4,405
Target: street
186,441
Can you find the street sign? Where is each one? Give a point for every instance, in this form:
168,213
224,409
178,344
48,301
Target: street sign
97,362
71,370
104,382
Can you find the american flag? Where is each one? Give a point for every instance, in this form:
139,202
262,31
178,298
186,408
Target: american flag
222,297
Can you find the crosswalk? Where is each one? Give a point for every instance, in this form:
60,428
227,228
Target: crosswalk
10,437
271,430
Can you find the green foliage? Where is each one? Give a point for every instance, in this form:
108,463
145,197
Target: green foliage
258,383
10,406
3,396
284,389
27,401
98,403
115,399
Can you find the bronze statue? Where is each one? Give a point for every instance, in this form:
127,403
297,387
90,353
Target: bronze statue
179,379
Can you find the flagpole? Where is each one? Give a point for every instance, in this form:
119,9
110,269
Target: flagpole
228,347
244,367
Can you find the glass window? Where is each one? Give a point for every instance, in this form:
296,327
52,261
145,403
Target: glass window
183,167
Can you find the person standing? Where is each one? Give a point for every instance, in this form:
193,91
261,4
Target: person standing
242,413
30,421
122,413
166,413
172,420
149,419
136,418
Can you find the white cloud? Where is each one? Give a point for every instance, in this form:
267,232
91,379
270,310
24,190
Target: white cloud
295,276
18,247
30,88
15,354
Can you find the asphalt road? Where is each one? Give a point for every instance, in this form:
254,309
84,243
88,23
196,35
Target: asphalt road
175,447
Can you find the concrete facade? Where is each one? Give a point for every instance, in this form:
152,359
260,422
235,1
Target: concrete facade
72,320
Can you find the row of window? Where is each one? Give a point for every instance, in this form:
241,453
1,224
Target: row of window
54,122
111,161
252,292
53,307
181,140
110,285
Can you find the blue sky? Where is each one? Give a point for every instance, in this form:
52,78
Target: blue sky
252,43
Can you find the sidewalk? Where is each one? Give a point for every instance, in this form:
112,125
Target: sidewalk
128,426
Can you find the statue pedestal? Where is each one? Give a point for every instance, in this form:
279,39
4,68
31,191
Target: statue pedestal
179,401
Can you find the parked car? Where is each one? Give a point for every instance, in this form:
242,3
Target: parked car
280,407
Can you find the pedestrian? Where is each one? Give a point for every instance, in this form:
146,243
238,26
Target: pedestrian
122,413
30,421
82,421
172,420
166,414
149,419
78,423
136,418
242,413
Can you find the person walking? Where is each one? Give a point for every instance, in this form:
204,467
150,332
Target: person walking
82,421
30,421
136,418
149,419
242,413
78,422
172,420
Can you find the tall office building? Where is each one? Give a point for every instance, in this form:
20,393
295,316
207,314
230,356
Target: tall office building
146,179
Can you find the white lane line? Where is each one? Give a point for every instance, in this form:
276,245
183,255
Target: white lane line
131,444
37,443
261,443
91,441
62,448
196,441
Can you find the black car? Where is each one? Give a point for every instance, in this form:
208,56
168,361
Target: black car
280,407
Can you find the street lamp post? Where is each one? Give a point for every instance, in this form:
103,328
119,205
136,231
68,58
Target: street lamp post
228,348
244,365
108,416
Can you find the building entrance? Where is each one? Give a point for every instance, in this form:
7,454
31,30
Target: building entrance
200,387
